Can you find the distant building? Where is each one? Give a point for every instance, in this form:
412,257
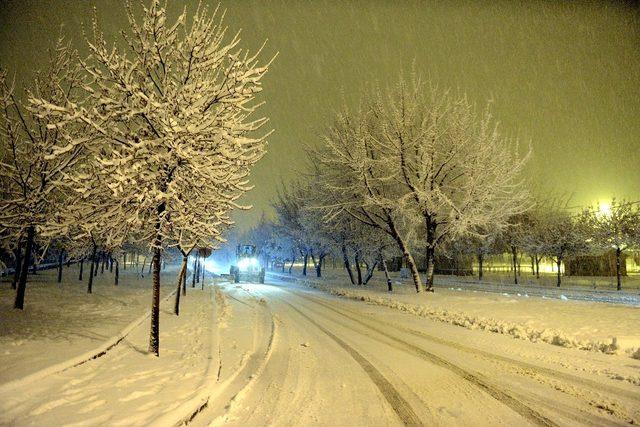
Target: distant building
595,265
457,265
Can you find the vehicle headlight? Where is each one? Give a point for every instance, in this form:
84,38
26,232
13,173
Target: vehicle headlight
247,263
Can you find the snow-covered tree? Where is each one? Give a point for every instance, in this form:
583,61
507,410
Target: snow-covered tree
537,236
486,243
296,222
533,238
172,113
341,233
318,237
357,180
561,236
198,220
37,156
613,227
460,175
425,159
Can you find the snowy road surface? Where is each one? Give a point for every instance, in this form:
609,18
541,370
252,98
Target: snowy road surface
279,354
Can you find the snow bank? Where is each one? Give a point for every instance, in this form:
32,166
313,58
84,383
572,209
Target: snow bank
514,329
486,324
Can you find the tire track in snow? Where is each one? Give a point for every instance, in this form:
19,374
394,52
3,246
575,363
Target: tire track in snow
495,392
541,374
487,355
398,403
218,399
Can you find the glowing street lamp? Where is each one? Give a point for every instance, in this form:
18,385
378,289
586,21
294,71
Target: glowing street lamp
604,209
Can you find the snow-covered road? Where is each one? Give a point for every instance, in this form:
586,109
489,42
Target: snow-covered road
341,362
282,354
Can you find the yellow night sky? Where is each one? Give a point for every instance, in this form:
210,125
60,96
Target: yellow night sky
564,77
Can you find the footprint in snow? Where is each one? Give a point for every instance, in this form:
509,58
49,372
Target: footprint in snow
48,406
136,395
91,406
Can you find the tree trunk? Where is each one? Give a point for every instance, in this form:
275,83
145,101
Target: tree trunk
537,267
193,277
480,262
150,267
559,263
370,271
94,267
319,266
304,267
198,269
386,274
358,270
293,260
618,272
96,261
183,273
533,265
60,262
414,271
34,264
81,268
116,278
110,264
514,256
22,282
144,262
154,336
431,262
282,266
431,251
103,260
347,264
154,333
185,260
407,254
18,266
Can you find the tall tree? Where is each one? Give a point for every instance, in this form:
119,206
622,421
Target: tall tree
460,175
172,113
614,226
357,181
37,156
562,236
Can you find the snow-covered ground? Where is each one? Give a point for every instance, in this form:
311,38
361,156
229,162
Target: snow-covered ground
61,321
284,353
630,283
337,361
538,314
126,386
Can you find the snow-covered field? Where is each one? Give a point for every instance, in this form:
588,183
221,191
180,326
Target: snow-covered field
284,353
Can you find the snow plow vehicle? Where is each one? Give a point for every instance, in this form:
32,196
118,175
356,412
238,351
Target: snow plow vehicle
247,268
